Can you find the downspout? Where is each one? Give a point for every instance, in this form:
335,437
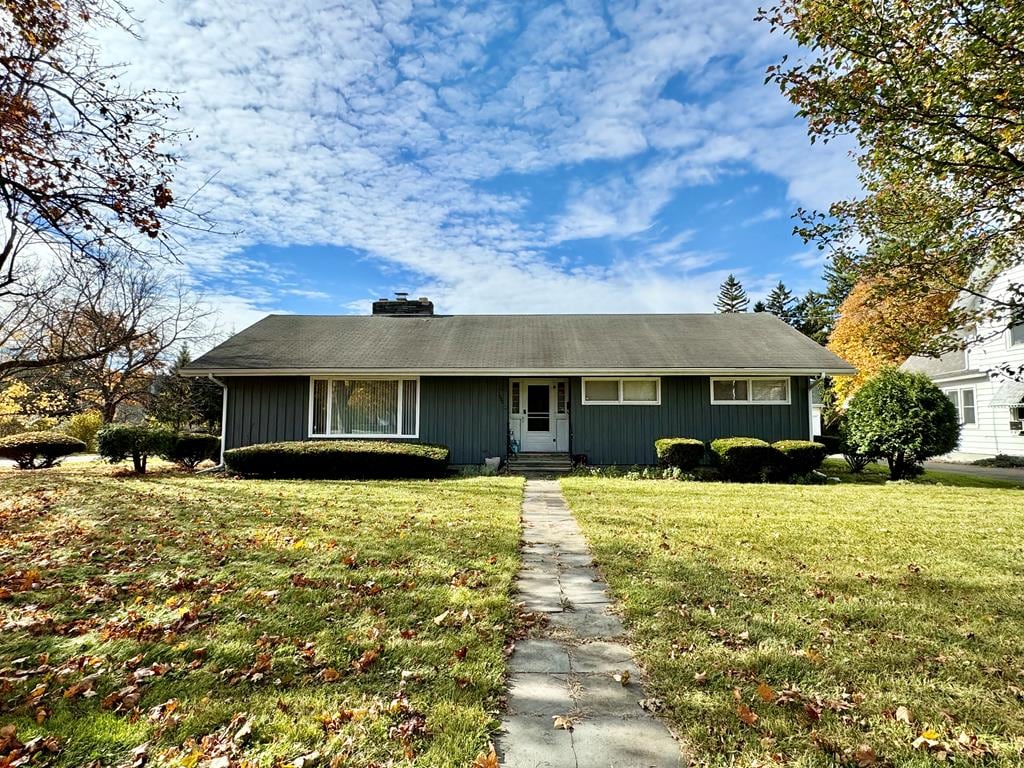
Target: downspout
223,416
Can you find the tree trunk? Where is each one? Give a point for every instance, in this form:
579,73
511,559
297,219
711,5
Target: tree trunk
139,462
897,466
109,411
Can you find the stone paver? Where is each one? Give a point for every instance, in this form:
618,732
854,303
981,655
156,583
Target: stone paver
569,670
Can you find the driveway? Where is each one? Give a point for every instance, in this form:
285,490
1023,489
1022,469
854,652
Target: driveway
994,473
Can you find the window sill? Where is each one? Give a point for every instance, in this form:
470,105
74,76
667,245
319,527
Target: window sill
362,437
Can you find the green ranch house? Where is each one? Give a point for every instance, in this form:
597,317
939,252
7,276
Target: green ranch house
603,387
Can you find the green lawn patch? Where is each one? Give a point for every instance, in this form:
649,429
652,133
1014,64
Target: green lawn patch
878,474
254,621
821,625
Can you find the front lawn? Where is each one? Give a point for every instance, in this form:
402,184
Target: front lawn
200,621
849,625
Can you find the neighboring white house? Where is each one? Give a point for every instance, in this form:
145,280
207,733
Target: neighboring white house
991,406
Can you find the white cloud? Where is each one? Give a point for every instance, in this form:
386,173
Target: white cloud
372,125
768,214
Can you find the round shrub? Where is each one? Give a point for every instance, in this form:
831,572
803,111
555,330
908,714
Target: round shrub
802,456
190,449
747,459
117,442
85,427
37,450
339,460
683,453
903,418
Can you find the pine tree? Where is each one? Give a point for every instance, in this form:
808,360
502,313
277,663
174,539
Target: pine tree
731,296
759,306
185,402
780,302
173,401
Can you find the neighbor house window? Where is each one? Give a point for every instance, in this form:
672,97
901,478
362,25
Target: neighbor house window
749,390
364,407
622,391
1017,334
963,399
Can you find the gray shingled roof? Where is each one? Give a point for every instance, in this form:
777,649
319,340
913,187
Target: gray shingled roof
519,343
948,364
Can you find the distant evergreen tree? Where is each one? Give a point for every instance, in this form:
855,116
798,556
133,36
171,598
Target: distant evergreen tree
781,303
759,306
816,317
731,296
185,402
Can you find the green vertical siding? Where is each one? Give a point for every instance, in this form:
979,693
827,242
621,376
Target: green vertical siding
625,434
467,414
266,409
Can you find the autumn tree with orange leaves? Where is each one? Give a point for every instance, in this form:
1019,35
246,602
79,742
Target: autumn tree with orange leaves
881,325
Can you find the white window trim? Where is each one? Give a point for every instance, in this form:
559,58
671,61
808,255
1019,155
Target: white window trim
620,401
750,390
960,405
399,379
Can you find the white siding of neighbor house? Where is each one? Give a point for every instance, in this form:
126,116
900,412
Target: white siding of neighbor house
991,434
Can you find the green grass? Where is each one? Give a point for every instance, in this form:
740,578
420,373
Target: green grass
878,474
846,602
365,621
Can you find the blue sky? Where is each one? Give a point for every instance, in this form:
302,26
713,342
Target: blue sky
495,156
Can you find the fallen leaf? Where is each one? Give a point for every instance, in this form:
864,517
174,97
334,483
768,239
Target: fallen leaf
746,714
766,692
330,675
562,722
864,755
622,678
486,760
903,715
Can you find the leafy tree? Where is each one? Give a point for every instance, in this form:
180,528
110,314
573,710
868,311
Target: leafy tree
903,418
782,303
731,296
876,331
84,160
117,442
931,94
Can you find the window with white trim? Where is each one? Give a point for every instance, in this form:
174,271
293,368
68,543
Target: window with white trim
755,391
632,391
963,399
357,407
1016,334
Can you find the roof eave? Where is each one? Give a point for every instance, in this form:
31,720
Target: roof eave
661,371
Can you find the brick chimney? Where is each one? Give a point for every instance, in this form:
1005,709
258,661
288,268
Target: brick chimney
401,306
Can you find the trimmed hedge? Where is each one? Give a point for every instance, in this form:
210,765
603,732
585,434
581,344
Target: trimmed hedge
339,460
38,450
116,442
747,459
190,449
684,453
802,456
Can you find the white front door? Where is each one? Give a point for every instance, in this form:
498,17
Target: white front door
538,415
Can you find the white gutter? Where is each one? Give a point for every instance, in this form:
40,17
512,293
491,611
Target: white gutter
223,415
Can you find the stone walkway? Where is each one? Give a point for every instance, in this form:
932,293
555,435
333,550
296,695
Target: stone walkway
568,671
